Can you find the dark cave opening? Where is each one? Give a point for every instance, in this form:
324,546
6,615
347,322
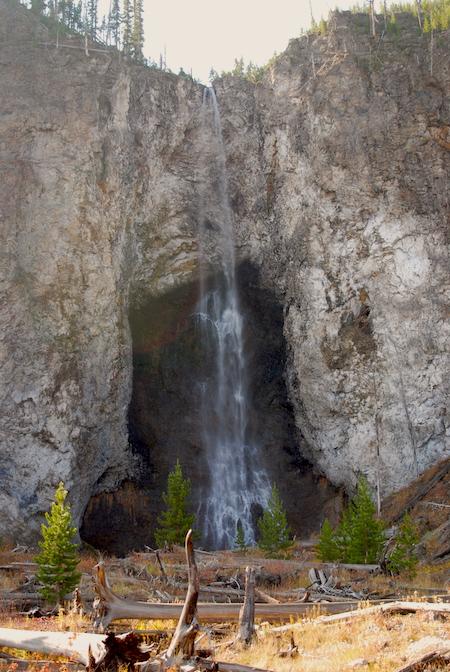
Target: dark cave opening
165,422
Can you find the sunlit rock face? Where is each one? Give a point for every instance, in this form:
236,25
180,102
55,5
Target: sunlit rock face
340,183
339,188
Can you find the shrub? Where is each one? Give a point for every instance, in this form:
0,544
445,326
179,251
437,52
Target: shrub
273,527
403,557
58,559
175,521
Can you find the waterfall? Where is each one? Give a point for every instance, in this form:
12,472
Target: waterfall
237,481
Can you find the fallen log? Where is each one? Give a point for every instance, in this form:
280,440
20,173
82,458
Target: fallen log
264,597
26,663
390,608
110,607
431,656
207,666
95,652
72,645
387,608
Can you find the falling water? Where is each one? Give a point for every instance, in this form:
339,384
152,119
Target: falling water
238,482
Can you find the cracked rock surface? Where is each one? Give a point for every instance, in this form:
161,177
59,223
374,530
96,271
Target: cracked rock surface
338,171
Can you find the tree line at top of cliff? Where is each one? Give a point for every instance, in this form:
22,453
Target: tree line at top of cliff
123,27
431,15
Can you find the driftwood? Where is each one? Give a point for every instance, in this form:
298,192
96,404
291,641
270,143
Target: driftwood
264,597
326,584
427,650
93,651
386,608
110,607
391,608
247,613
24,664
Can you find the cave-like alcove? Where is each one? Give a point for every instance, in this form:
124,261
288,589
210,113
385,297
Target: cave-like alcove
165,421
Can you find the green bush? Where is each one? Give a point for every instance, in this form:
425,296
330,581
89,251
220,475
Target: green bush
273,527
403,557
175,521
58,559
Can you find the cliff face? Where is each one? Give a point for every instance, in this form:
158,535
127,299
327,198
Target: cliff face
84,141
338,163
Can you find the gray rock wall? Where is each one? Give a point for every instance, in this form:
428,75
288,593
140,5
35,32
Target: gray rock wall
339,166
341,183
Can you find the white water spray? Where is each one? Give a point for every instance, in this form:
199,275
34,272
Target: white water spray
238,481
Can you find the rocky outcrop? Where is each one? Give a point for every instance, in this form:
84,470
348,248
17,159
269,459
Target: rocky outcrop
338,179
95,203
341,191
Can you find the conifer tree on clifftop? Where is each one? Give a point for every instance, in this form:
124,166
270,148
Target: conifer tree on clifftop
137,35
114,23
127,21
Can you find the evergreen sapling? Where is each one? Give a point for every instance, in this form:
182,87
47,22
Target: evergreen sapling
175,521
239,541
328,548
273,527
365,539
58,559
403,557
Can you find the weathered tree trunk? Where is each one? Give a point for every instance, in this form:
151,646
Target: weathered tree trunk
94,651
184,637
247,613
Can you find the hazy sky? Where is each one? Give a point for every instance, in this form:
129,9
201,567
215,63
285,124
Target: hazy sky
201,34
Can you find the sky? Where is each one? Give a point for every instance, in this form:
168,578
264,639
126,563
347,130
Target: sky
201,34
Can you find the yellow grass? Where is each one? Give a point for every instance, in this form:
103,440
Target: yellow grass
377,643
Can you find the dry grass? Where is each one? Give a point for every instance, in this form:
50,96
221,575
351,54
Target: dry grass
378,643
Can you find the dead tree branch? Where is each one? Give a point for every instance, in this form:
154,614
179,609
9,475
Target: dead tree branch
247,613
187,628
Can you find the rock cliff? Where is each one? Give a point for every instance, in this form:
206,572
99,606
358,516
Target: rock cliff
338,163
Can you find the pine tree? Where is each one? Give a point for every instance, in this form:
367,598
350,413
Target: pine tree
58,558
127,26
343,534
328,548
92,18
175,521
273,527
114,23
137,35
365,538
239,541
403,557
